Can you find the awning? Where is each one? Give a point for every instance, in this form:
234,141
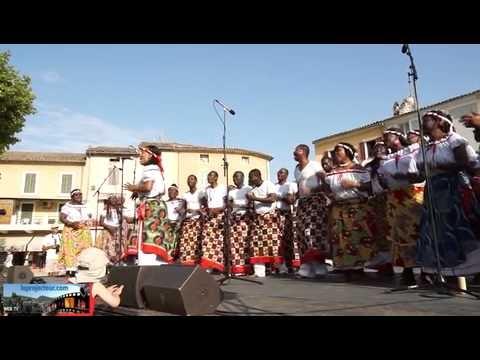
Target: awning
19,243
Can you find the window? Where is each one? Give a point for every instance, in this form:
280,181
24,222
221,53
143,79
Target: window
30,181
66,183
114,175
365,149
245,160
204,158
26,213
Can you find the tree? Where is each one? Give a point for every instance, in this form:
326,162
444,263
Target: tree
16,102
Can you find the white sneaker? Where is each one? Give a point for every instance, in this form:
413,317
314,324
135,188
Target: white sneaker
319,269
306,271
259,270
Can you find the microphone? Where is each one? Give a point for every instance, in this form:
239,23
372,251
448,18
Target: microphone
225,107
405,48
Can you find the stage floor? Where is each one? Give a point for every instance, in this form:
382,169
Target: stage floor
286,295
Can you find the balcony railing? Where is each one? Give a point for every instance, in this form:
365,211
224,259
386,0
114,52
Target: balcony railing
38,221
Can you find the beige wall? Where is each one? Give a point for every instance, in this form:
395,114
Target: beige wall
48,180
456,108
354,138
177,166
45,212
191,164
88,177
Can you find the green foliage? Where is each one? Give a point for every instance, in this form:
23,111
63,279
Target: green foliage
16,102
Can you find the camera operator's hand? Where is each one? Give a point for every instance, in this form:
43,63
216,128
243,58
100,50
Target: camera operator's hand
471,120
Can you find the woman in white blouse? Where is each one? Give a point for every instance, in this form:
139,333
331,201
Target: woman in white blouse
404,201
76,234
158,245
176,209
352,243
449,157
109,238
377,222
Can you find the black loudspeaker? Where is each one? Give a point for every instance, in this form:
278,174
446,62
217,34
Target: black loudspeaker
175,289
19,275
131,279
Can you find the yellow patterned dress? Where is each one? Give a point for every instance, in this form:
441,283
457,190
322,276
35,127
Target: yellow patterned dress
74,240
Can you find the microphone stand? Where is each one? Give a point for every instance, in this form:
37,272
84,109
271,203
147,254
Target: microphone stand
439,284
97,194
120,227
227,274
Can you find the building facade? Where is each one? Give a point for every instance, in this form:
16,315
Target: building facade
364,137
34,186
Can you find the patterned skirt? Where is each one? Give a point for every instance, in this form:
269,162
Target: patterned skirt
190,241
212,243
459,248
73,242
159,235
352,242
239,243
287,248
377,222
265,239
310,235
110,243
404,210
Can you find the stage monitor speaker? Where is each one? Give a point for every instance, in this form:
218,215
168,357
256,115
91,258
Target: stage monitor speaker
175,289
131,279
19,275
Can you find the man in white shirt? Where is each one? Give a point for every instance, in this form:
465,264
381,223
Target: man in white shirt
213,230
265,229
191,230
311,219
51,244
240,225
175,205
286,193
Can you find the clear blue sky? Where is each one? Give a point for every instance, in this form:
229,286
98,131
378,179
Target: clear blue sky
283,94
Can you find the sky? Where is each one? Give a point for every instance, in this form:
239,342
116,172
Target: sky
283,95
